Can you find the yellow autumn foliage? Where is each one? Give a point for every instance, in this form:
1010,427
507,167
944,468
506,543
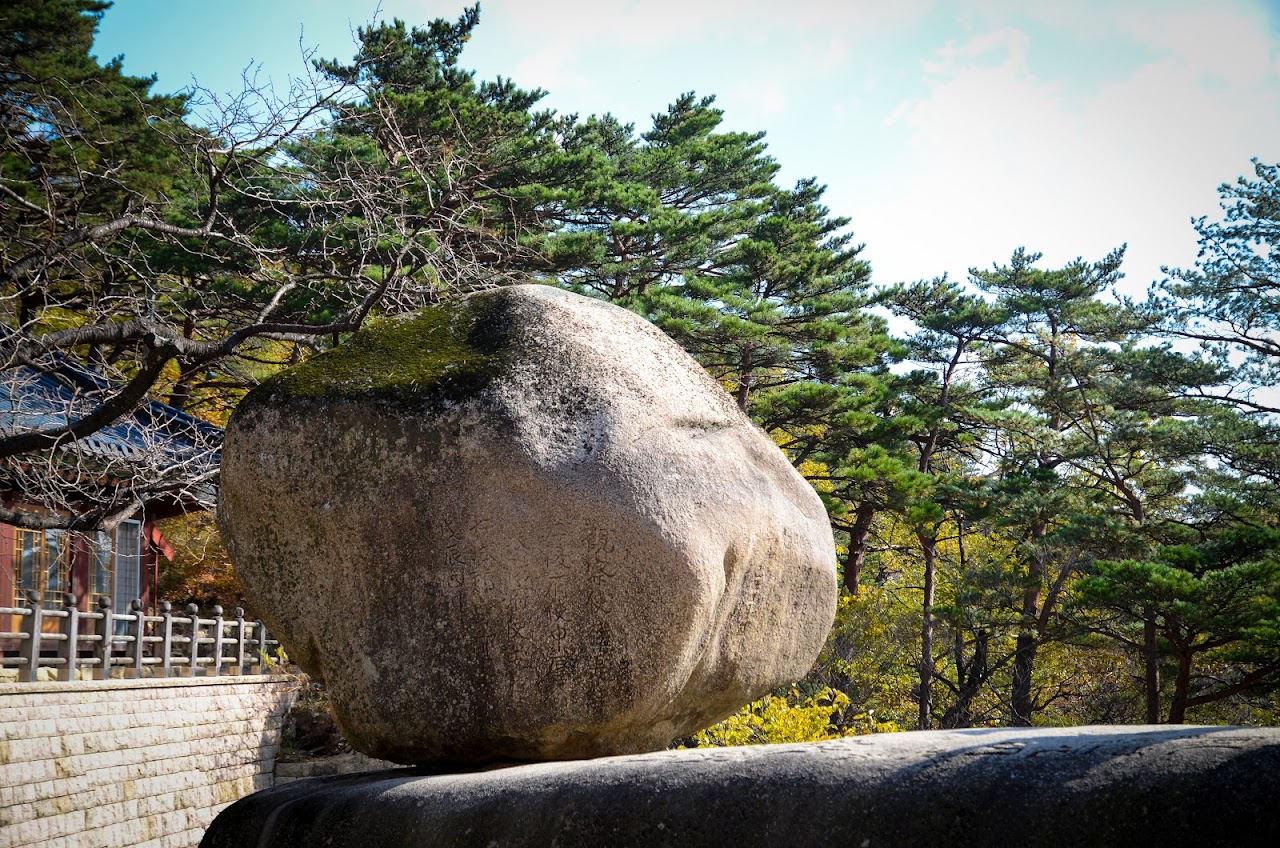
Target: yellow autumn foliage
795,717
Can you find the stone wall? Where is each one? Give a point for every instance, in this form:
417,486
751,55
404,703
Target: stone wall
133,762
350,763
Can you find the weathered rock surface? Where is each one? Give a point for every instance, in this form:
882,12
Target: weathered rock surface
1093,786
528,526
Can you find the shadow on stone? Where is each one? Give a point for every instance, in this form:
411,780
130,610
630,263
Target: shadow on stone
1042,787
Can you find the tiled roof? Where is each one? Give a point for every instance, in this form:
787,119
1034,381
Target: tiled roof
33,399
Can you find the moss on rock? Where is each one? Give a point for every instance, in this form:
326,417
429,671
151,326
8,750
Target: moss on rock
440,355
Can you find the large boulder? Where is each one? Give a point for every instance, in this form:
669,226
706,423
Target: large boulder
524,525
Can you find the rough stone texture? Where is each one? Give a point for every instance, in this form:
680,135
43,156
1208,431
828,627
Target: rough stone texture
1103,786
132,763
528,526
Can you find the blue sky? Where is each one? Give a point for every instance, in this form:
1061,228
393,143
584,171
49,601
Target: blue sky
950,132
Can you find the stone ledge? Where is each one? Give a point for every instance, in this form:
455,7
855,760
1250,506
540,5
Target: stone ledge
74,686
287,771
1046,787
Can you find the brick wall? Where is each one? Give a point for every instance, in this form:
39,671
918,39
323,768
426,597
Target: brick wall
133,763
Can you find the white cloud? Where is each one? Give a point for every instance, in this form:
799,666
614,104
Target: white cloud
576,47
897,113
994,162
771,98
837,55
1000,157
951,133
953,59
659,22
1225,40
581,22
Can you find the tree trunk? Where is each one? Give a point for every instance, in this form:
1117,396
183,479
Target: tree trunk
621,286
1024,659
1181,689
182,389
186,376
744,390
1151,661
927,549
859,536
1024,653
969,681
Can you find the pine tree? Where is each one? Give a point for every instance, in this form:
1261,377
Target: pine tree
1038,363
1215,606
949,408
457,178
785,310
1230,300
648,211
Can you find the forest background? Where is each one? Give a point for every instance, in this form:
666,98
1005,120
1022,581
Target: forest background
1054,503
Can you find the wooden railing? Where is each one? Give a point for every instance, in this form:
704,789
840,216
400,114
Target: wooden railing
164,645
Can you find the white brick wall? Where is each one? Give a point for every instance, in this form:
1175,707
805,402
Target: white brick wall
97,764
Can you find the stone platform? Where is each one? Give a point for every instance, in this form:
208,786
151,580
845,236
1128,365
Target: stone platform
1091,786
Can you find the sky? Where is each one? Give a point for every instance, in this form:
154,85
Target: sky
950,133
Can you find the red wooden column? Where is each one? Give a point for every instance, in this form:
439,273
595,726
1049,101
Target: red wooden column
9,623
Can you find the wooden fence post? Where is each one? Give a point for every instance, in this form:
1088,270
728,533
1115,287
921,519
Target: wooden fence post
31,645
193,616
240,637
107,629
139,632
262,647
70,646
217,640
166,638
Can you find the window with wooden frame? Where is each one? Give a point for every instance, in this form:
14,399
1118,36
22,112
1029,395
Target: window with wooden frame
115,569
102,570
128,566
42,566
